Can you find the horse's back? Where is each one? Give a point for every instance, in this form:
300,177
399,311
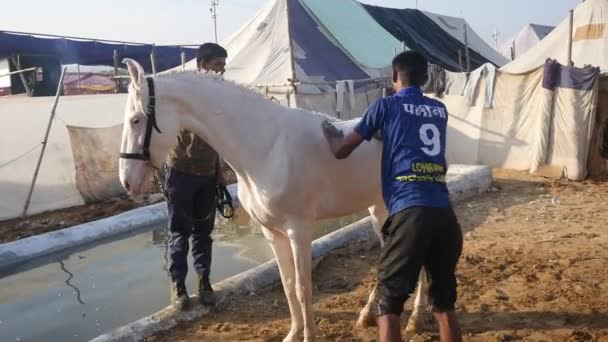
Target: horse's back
331,187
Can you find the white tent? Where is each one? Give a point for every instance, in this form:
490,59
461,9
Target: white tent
590,41
340,46
524,40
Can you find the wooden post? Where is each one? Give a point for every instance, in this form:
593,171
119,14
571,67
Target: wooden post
44,142
513,52
460,62
466,48
571,33
79,85
183,60
292,60
153,59
116,79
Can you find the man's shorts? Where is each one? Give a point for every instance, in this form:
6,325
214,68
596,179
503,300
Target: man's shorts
416,237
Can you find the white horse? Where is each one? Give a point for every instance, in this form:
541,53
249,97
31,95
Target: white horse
287,176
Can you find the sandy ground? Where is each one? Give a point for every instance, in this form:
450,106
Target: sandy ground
534,268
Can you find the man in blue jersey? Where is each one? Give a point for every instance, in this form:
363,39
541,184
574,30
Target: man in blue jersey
422,229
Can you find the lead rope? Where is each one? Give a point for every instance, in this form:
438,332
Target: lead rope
224,206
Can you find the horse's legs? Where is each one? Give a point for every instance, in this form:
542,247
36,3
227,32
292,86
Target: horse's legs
379,215
282,252
301,246
419,315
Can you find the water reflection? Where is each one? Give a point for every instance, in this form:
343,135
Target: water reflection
160,238
67,281
121,280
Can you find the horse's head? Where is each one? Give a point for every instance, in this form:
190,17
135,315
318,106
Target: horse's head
149,131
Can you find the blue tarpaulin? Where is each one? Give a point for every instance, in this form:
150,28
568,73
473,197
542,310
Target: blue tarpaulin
322,57
91,52
420,33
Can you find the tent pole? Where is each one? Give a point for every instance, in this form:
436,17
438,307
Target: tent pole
17,72
183,54
513,52
79,85
116,80
293,80
571,32
214,4
17,65
153,59
466,48
460,60
44,142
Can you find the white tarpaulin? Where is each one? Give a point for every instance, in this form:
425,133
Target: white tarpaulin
590,41
456,26
525,40
25,119
542,121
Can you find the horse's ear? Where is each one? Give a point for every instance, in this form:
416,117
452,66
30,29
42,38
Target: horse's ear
136,72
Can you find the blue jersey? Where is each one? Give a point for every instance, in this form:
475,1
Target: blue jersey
413,158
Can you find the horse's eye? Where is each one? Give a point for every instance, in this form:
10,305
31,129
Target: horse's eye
135,121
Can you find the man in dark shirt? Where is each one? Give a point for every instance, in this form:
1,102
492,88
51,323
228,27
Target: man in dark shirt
422,229
193,173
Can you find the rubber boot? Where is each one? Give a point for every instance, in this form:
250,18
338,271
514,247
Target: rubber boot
179,296
205,291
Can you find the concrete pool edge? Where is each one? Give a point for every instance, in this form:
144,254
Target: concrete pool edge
468,181
16,253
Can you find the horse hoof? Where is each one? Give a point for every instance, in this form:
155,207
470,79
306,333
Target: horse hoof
413,327
365,321
418,322
293,336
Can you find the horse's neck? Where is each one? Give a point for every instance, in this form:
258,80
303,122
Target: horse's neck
241,126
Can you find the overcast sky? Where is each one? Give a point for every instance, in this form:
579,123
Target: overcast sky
189,21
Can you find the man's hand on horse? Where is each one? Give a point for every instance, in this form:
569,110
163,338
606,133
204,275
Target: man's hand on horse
340,146
331,131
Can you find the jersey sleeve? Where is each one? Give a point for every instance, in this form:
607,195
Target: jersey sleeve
373,119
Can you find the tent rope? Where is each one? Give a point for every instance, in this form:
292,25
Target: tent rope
603,136
20,156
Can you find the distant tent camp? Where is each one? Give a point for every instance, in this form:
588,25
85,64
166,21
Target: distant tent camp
525,39
590,41
439,48
334,56
545,116
81,159
85,51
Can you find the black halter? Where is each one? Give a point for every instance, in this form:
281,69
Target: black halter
150,124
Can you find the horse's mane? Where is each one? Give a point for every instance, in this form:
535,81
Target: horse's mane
241,88
325,116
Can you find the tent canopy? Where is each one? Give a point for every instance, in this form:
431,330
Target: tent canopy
319,41
437,46
525,39
589,42
90,52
